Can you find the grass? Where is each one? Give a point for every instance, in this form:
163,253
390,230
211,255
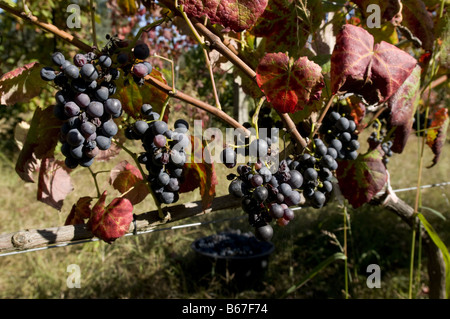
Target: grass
162,265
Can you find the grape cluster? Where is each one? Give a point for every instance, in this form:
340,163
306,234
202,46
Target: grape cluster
164,155
83,102
266,196
378,138
339,132
317,168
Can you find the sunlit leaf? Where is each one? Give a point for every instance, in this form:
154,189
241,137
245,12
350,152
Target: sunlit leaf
375,71
21,84
236,15
403,105
289,85
113,221
127,178
80,211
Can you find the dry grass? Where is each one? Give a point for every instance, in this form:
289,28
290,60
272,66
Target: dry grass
161,264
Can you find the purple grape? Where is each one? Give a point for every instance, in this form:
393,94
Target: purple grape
173,185
140,70
102,93
48,74
79,60
109,128
103,142
105,61
58,58
141,51
95,109
74,137
89,72
159,140
113,106
71,109
72,71
82,100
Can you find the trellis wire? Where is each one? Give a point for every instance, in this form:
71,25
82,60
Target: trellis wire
135,233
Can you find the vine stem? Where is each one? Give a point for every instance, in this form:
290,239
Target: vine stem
256,115
135,159
94,176
94,33
324,112
163,110
201,41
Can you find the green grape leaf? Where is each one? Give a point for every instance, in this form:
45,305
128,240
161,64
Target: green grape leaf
285,25
373,71
21,84
289,85
80,211
54,183
199,173
236,15
133,96
437,133
113,221
40,142
127,178
360,180
403,105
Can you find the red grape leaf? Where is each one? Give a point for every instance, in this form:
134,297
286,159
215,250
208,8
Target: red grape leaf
133,96
40,142
236,15
113,221
21,84
437,133
80,211
198,173
289,85
419,21
125,176
360,180
54,183
285,25
403,105
374,71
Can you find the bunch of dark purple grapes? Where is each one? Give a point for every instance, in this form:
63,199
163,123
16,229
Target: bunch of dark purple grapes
339,132
317,169
266,196
165,152
84,104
